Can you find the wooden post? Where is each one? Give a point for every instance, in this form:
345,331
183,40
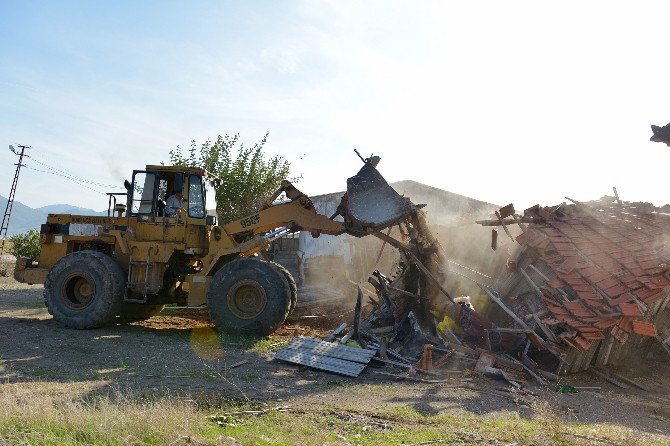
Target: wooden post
357,314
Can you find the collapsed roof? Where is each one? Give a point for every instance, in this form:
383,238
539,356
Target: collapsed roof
592,276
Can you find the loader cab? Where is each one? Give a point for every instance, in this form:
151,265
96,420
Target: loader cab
151,188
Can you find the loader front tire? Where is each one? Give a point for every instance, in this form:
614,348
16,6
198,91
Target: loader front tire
249,296
84,290
292,285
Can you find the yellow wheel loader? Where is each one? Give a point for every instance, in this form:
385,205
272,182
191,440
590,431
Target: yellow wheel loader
145,254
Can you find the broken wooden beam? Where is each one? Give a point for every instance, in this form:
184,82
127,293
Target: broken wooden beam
610,379
507,221
411,378
620,377
428,274
338,330
357,314
405,293
504,226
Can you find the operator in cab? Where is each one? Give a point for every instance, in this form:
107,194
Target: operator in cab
173,204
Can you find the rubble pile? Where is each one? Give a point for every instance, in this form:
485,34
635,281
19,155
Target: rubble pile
588,284
406,324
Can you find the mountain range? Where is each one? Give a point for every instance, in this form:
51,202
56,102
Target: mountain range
24,217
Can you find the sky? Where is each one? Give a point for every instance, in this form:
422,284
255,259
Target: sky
517,101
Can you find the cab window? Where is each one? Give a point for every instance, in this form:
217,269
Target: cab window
196,197
144,187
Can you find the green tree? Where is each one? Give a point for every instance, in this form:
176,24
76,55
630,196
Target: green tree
26,244
248,177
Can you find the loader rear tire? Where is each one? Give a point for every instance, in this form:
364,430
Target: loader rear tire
84,290
291,284
249,296
139,312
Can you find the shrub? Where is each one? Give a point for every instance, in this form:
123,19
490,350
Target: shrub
26,244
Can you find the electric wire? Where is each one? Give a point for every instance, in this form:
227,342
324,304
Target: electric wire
86,183
67,177
68,173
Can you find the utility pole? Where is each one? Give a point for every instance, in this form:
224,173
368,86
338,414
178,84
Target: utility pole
10,199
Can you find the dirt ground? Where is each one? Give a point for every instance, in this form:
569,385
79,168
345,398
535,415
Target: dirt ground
178,352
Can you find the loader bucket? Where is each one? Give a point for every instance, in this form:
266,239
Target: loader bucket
371,204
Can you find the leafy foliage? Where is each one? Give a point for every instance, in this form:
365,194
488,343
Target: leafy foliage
26,244
248,179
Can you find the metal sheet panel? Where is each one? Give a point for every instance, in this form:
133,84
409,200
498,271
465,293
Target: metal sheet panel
305,357
332,350
331,357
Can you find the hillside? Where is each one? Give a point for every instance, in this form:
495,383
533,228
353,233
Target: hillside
25,217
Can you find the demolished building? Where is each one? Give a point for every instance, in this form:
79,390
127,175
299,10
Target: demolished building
592,278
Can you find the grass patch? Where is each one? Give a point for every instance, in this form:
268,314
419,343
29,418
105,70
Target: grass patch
267,345
253,343
111,371
31,305
44,373
29,417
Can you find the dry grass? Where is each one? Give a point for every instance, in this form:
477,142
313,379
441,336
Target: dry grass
40,415
29,417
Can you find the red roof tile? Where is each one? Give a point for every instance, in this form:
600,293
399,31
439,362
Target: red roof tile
644,328
568,265
630,310
604,255
620,335
578,309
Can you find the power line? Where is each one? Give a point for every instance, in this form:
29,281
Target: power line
69,174
52,170
81,182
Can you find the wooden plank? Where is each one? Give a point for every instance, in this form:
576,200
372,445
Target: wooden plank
504,307
517,319
628,380
507,221
411,378
357,313
405,293
336,332
527,369
428,274
610,379
502,223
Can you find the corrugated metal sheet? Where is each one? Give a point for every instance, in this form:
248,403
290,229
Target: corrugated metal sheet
331,357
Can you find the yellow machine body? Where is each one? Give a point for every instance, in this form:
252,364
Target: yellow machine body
146,244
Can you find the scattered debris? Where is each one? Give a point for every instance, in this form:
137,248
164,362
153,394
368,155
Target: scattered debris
566,388
586,275
609,379
401,327
237,364
627,380
232,419
410,378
